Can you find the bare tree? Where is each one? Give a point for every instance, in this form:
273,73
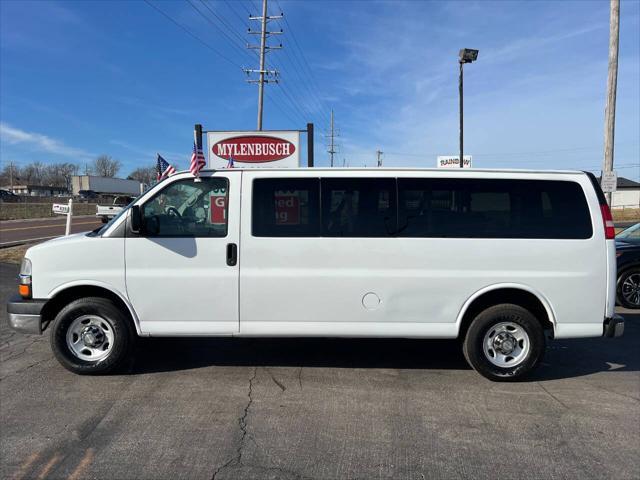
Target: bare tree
37,173
144,175
10,175
34,174
105,166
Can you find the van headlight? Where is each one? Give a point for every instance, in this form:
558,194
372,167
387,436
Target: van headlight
24,279
25,267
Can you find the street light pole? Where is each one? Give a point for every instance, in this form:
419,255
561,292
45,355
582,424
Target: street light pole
461,91
467,55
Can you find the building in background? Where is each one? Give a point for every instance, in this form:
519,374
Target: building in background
627,194
106,185
37,190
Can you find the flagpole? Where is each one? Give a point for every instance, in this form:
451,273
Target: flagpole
197,138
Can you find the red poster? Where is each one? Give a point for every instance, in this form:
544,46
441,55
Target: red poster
218,209
287,210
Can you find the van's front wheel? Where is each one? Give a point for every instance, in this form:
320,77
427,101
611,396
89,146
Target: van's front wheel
504,342
91,336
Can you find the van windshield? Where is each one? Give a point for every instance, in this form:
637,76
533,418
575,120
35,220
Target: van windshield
99,231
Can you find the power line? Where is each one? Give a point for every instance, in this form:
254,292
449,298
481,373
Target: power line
302,55
193,35
305,84
224,22
231,40
279,106
243,20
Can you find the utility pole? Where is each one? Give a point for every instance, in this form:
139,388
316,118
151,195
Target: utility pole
11,175
612,82
379,155
264,48
332,135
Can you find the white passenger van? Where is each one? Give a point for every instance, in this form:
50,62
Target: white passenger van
500,259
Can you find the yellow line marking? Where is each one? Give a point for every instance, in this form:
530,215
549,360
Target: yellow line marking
49,466
82,466
47,226
31,459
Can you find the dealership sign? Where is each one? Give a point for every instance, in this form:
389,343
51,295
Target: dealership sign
453,161
254,149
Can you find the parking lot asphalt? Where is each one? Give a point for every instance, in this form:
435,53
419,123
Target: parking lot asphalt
316,409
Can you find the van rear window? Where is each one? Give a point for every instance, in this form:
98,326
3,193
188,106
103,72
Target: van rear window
472,208
419,207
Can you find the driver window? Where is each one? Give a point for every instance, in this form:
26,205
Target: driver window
187,208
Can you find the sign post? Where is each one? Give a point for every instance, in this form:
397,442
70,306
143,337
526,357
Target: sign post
609,182
62,209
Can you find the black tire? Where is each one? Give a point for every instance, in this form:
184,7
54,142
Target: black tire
474,351
121,329
621,279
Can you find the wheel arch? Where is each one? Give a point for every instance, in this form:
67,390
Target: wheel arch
63,294
518,294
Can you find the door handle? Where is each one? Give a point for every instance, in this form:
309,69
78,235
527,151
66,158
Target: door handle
232,254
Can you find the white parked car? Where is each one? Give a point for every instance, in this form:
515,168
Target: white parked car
501,259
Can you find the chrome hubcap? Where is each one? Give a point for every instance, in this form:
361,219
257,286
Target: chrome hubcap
506,344
90,338
631,289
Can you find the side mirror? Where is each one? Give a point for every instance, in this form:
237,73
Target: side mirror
136,219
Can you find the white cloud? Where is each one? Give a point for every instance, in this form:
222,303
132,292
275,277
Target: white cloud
40,142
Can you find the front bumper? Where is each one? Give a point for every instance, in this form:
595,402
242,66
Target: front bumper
25,315
613,327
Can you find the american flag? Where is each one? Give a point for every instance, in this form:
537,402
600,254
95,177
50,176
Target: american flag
164,168
230,162
197,160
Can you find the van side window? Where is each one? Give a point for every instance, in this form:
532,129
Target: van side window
186,208
286,207
358,207
477,208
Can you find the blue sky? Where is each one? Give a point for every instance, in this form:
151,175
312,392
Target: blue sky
78,79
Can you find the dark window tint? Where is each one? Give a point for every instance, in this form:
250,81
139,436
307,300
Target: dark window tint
492,209
286,207
358,207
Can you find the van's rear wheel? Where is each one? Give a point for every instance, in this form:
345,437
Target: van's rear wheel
504,342
91,336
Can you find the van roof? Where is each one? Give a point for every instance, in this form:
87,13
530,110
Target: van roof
399,169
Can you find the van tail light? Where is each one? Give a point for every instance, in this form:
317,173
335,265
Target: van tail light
607,219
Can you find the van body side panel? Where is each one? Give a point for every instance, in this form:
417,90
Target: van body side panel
183,285
411,287
55,264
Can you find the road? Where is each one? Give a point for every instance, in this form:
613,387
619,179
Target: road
318,409
14,232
